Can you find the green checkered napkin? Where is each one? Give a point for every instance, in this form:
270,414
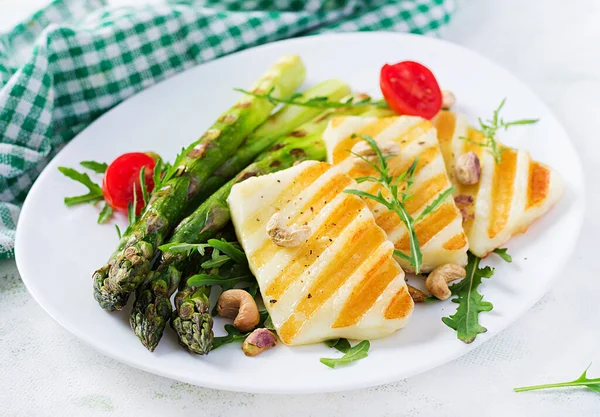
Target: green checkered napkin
75,59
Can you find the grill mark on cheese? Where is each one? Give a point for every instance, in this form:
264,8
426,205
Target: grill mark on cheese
341,151
426,192
302,181
360,170
539,184
336,121
456,242
365,240
375,188
369,289
310,251
430,226
389,220
328,191
471,145
445,123
413,133
503,182
400,306
326,194
469,190
425,158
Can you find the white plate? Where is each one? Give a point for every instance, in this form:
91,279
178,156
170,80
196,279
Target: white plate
58,248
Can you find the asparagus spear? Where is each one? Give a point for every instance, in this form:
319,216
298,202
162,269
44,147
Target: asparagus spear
152,308
192,319
126,268
289,118
206,221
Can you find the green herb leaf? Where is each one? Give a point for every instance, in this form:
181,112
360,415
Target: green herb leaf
233,335
398,200
582,381
470,302
105,214
186,248
230,250
118,231
340,344
131,216
359,351
157,173
501,252
332,342
217,262
315,102
435,204
143,186
490,128
269,323
97,167
80,199
200,280
95,192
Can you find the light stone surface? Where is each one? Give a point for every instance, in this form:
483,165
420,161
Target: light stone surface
552,45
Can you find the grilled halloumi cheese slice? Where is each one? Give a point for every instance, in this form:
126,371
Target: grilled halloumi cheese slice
440,233
509,196
342,281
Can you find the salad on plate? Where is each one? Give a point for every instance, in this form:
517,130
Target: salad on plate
316,216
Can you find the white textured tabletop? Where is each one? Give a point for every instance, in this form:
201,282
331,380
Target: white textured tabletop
552,45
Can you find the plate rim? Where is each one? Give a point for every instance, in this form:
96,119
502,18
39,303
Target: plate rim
353,383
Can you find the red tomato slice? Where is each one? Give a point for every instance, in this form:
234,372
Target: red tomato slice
120,177
411,88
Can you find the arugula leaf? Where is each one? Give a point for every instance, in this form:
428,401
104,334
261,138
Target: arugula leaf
331,342
230,250
490,128
359,351
340,344
470,302
200,280
157,173
269,323
398,198
435,204
105,214
145,196
95,192
317,102
264,317
233,335
97,167
187,248
501,252
582,381
216,262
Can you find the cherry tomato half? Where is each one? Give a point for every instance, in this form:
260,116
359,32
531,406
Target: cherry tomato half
120,177
411,88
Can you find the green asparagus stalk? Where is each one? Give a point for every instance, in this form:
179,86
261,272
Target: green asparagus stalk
125,270
284,122
304,144
192,319
152,308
